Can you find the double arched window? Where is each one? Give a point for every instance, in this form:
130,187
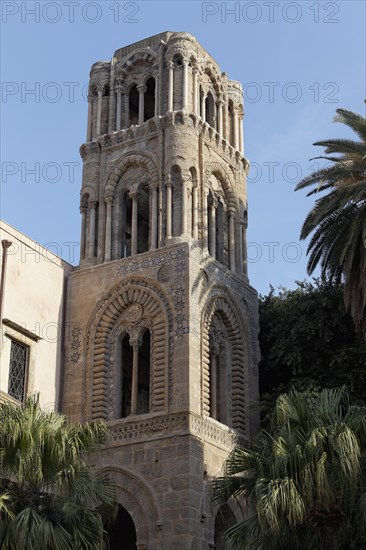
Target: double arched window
133,231
141,102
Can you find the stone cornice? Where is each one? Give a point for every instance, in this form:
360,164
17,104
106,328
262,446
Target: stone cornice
150,427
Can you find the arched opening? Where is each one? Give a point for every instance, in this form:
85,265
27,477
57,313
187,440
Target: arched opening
149,99
178,83
126,225
127,362
193,212
143,218
231,122
122,534
210,110
176,180
224,519
135,370
133,105
219,371
201,95
143,393
211,224
220,232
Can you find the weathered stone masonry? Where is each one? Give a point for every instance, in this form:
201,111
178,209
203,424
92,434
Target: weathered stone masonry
163,337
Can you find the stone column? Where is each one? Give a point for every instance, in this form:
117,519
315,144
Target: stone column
168,208
157,94
220,105
108,229
135,344
119,108
244,245
212,234
99,112
232,240
154,217
83,211
171,87
127,110
185,85
184,205
205,216
195,90
92,217
213,385
89,132
241,258
134,224
203,107
236,130
141,89
241,135
112,111
195,210
226,118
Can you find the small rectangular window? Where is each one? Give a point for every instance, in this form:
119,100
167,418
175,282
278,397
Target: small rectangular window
17,370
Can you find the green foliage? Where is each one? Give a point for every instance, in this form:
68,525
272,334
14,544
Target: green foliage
302,482
338,220
48,491
307,340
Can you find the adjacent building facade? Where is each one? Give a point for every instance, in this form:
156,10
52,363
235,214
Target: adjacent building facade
33,285
160,322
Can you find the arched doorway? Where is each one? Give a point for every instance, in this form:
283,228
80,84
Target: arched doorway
122,533
224,519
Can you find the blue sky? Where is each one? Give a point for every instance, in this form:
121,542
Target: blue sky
298,62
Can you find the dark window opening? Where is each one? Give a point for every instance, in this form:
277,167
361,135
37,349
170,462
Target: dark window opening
231,122
143,378
143,219
177,201
224,519
133,104
149,99
211,110
127,358
220,233
17,370
122,534
126,225
143,392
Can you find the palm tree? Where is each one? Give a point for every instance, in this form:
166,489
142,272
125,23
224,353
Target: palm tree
303,483
48,492
338,219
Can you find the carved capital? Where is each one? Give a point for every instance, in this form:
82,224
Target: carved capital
135,337
109,199
93,204
141,88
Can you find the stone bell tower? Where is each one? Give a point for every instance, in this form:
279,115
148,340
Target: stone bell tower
162,339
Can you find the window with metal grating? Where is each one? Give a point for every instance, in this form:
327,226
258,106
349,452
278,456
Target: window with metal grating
17,370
